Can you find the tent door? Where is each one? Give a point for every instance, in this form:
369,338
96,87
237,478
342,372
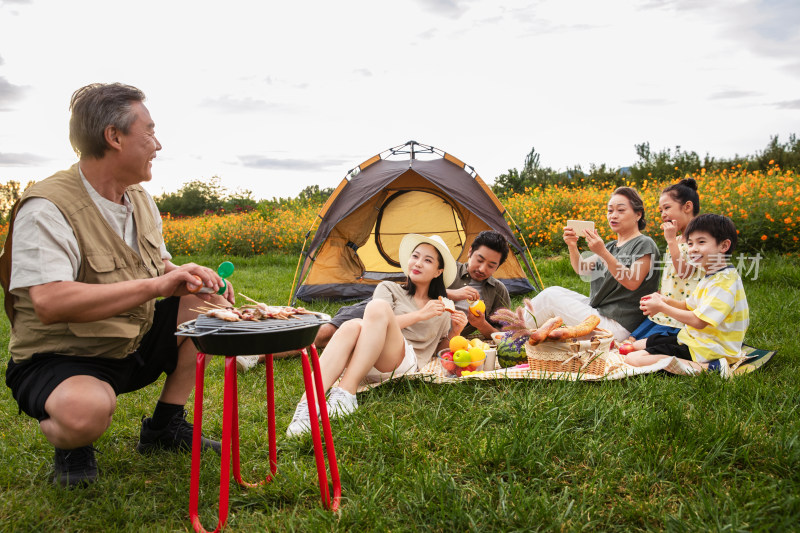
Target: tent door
406,212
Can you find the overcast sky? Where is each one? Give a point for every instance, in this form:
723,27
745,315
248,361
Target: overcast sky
275,96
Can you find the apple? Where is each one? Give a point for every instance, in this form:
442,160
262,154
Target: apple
625,348
462,358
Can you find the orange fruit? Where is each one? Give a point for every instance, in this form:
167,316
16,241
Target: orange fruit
476,354
458,343
477,307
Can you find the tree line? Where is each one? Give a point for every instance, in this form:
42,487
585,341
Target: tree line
663,164
198,197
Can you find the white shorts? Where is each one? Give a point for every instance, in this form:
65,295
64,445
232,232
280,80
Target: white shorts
408,364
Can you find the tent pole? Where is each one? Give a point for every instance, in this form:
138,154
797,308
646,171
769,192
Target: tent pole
527,249
300,260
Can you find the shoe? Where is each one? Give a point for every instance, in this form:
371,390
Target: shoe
721,366
177,435
341,403
301,421
246,362
76,467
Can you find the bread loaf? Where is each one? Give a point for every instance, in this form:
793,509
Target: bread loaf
570,332
541,334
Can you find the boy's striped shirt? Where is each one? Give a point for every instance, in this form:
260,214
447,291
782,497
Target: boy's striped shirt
719,300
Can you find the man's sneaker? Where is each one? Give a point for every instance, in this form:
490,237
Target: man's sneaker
246,362
721,366
341,402
301,421
177,435
75,468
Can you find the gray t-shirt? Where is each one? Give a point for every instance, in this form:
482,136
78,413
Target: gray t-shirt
613,300
423,336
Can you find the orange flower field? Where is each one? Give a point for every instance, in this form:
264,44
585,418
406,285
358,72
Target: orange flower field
251,233
764,205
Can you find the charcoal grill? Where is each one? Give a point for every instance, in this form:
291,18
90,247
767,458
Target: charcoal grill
252,337
213,336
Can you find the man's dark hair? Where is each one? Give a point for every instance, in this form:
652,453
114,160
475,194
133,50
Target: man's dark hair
95,107
719,227
494,241
637,204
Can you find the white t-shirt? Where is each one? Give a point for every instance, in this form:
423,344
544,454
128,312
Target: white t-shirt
45,248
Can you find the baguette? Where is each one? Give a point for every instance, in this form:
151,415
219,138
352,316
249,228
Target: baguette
541,334
449,306
570,332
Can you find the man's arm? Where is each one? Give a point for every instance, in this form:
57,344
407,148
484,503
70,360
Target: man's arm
72,301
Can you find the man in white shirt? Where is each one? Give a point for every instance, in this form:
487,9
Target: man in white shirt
82,269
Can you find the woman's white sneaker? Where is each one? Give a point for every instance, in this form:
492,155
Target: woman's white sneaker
301,421
341,402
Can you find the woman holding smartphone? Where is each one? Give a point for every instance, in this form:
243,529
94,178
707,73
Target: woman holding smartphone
620,271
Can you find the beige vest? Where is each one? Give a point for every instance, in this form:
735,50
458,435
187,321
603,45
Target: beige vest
105,258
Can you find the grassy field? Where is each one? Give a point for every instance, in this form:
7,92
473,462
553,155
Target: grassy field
655,452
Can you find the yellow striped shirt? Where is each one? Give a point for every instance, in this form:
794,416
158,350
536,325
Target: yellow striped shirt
720,301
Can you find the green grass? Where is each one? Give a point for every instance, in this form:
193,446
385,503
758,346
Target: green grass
655,452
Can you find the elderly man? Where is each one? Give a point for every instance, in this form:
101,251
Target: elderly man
82,269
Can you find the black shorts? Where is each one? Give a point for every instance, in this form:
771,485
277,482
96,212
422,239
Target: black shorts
349,312
32,381
667,345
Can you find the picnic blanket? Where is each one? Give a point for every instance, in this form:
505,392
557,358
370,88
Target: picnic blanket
615,368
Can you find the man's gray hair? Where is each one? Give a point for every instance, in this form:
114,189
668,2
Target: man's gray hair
95,107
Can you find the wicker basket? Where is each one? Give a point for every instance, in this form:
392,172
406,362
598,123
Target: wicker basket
587,355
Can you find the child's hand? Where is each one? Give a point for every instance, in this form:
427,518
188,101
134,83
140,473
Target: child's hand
651,304
670,230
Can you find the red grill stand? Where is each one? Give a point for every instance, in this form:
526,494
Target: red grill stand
230,435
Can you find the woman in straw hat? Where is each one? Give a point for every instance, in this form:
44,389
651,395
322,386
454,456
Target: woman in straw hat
401,329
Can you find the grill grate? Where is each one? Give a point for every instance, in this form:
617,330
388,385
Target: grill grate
205,325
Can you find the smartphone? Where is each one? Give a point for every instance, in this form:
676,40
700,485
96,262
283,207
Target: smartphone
580,226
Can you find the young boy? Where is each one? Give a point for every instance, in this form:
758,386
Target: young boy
715,315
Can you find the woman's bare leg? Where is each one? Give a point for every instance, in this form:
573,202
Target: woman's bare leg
337,354
380,345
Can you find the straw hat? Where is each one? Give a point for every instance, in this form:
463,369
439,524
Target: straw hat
412,240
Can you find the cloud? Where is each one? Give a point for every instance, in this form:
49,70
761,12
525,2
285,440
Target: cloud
9,93
270,163
448,8
231,104
427,34
769,28
367,73
788,104
649,101
732,94
21,160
